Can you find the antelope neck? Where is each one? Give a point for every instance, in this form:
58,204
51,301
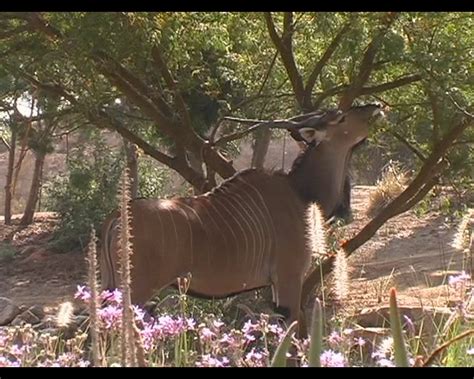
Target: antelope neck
318,175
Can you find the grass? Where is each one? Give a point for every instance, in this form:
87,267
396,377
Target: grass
392,182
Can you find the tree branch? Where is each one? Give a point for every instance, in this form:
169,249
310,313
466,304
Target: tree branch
136,82
214,129
313,278
52,88
145,103
322,62
328,93
400,82
5,142
101,117
425,173
171,83
366,65
412,148
36,21
284,47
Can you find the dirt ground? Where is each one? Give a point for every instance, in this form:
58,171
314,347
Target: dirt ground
410,253
35,275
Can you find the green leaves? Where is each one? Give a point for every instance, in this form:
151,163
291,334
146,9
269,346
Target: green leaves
279,358
221,62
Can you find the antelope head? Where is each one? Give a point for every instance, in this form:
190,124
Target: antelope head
345,129
319,173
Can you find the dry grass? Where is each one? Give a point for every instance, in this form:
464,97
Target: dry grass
463,237
392,182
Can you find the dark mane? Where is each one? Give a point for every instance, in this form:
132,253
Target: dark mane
249,171
301,158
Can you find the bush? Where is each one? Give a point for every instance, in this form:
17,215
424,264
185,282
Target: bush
85,195
392,183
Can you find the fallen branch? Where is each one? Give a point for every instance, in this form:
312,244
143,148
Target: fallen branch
444,346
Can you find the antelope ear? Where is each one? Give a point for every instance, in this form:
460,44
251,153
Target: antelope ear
310,134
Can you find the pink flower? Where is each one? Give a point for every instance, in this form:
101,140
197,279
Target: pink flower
206,335
217,324
4,362
82,293
111,316
256,358
360,341
330,358
334,339
208,361
384,362
459,280
114,296
18,351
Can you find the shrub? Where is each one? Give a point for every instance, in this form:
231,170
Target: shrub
391,184
85,194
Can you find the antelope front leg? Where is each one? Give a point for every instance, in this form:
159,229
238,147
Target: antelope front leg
288,300
288,304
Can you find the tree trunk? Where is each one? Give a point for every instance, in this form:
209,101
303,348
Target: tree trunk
260,149
34,190
197,165
9,178
132,164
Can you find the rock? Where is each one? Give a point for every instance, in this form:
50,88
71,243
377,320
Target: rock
37,310
50,331
8,311
81,310
424,319
49,322
69,332
81,321
27,317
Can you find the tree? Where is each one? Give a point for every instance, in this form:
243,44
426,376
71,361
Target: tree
181,75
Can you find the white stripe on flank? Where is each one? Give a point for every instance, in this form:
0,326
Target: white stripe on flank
240,208
227,254
203,228
234,217
217,228
266,217
256,229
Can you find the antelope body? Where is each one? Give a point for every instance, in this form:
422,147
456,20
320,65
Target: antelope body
247,233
